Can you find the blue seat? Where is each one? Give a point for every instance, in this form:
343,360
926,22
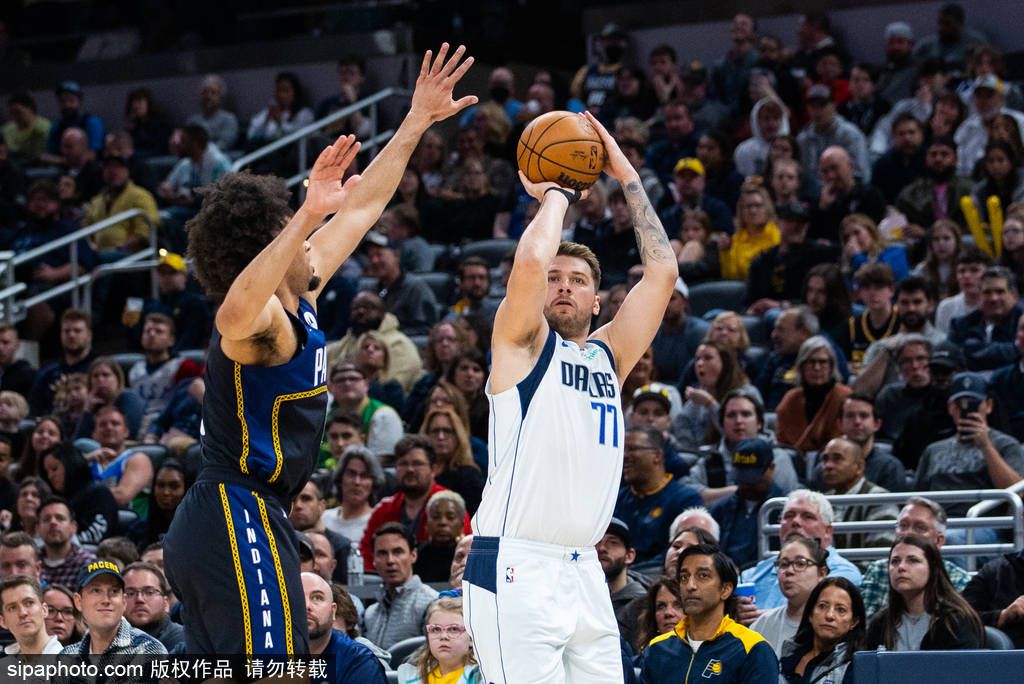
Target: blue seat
997,640
442,284
491,251
722,294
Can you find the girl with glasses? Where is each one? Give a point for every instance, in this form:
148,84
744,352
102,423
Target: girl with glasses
447,656
800,566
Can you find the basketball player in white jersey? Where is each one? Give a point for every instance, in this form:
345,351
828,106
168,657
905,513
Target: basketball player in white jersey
536,602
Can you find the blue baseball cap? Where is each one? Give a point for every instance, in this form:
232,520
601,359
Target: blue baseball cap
971,385
97,568
751,458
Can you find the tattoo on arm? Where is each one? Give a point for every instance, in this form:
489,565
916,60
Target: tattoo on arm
650,234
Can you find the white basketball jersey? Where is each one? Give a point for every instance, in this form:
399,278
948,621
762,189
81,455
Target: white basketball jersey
555,449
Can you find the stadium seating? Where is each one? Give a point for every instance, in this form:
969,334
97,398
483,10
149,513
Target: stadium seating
492,251
443,285
937,667
997,640
722,294
405,648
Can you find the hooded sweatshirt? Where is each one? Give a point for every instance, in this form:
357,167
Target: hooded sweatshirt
752,153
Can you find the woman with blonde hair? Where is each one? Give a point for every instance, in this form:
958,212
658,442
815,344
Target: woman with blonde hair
374,359
864,244
447,657
450,440
13,410
755,231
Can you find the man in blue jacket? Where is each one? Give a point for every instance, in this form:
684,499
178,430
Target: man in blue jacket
707,645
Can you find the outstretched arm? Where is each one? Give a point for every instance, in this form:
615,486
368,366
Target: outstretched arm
634,326
249,308
431,102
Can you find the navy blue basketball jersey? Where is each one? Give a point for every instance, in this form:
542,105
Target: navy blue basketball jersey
262,425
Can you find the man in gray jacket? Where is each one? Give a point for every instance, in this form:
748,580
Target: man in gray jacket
403,599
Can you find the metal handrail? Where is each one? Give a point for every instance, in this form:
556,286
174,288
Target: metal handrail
767,531
9,261
317,126
982,507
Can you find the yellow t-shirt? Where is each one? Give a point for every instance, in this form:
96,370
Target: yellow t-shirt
452,677
745,246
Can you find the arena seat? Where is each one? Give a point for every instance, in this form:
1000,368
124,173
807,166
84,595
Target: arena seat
937,667
722,294
404,648
440,252
491,251
757,330
126,360
997,640
156,452
192,458
443,285
755,356
367,284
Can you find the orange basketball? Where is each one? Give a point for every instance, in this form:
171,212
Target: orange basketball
563,148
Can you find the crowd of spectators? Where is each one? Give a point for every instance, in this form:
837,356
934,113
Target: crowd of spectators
873,213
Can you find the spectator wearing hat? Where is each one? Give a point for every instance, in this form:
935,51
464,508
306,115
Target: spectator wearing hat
120,194
935,194
708,114
69,102
825,129
976,457
1006,387
101,600
989,100
952,42
753,462
651,498
776,276
616,555
405,295
190,313
679,141
898,79
369,315
730,74
656,405
987,335
679,335
688,188
931,419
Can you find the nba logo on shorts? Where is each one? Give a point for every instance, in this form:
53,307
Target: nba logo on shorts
510,575
713,669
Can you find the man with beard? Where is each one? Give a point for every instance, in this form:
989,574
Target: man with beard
370,315
405,295
650,499
915,302
415,466
899,75
475,285
556,448
936,194
147,596
266,376
737,514
76,356
353,662
904,161
616,556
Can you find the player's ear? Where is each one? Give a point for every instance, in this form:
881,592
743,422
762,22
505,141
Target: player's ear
597,305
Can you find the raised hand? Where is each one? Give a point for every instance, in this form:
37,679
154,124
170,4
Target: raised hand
537,190
432,98
616,165
325,193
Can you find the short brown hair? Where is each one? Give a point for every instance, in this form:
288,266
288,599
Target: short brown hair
575,249
346,610
162,319
877,274
76,315
19,581
165,586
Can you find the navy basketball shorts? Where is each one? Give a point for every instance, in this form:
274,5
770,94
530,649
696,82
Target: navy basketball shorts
232,559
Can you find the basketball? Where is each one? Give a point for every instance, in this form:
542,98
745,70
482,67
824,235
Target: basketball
563,148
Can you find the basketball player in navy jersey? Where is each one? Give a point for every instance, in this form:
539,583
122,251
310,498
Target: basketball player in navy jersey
536,601
230,554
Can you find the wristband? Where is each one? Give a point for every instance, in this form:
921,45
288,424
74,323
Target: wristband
572,195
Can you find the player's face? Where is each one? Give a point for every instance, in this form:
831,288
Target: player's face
668,611
572,297
147,603
393,559
306,508
102,603
301,275
700,586
444,523
60,615
320,605
23,613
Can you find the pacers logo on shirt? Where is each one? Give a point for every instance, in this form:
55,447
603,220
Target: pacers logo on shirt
713,669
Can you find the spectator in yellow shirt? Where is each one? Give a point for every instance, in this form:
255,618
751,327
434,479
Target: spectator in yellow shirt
26,132
121,194
755,231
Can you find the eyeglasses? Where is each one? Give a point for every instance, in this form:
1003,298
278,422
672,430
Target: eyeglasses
818,362
145,592
347,378
452,631
799,564
66,613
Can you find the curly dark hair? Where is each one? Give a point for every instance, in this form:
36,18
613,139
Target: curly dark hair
241,213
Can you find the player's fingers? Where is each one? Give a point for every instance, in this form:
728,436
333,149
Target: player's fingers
461,71
439,62
464,102
450,65
350,153
425,66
